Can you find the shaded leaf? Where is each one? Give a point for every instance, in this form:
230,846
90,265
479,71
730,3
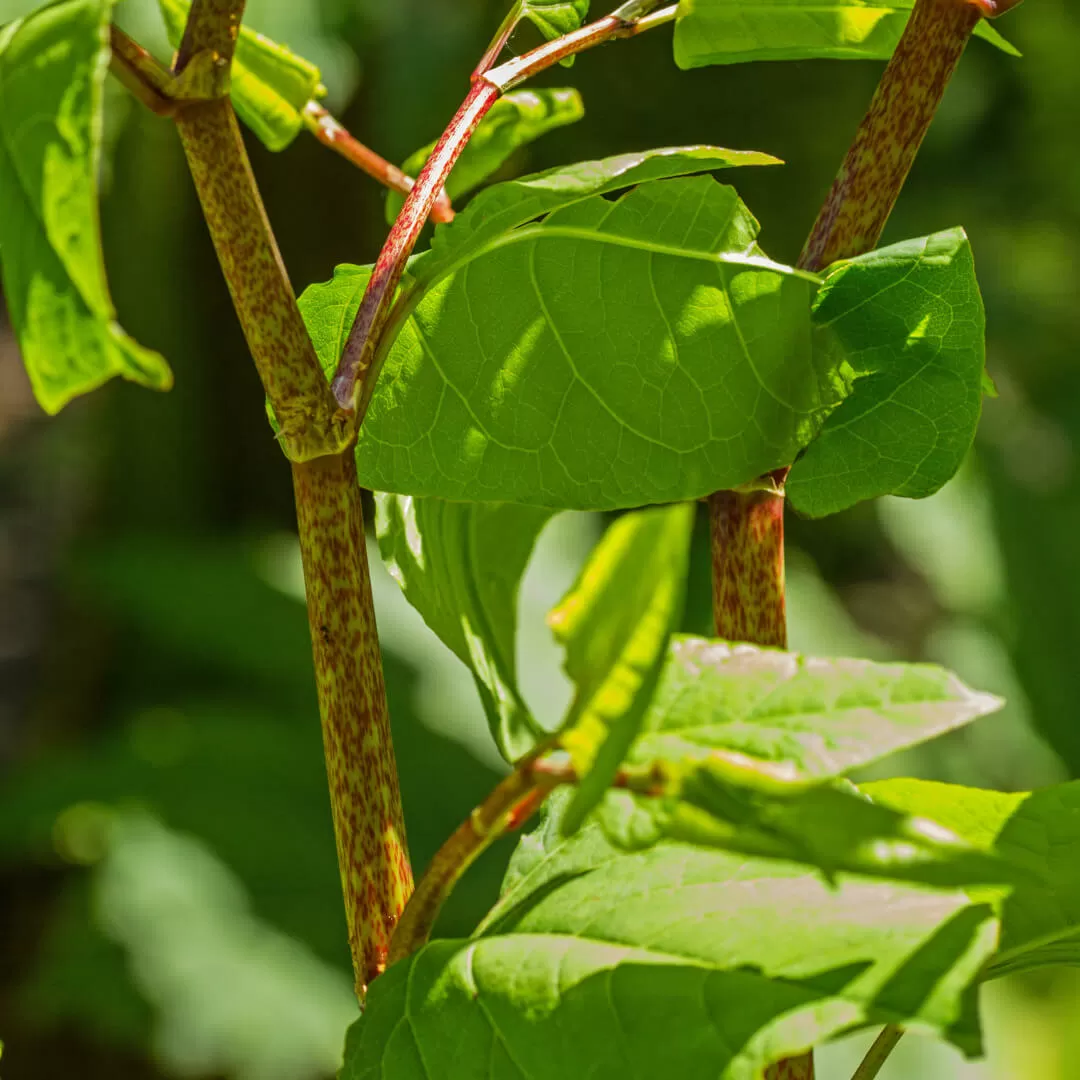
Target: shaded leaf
821,718
734,31
460,565
671,962
271,85
909,320
615,624
1039,832
515,120
52,69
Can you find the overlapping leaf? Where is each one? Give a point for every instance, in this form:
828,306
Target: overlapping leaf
733,31
460,565
1037,831
822,717
909,320
670,962
270,83
615,624
52,68
515,120
553,18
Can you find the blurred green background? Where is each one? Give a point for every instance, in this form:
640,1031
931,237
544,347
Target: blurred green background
154,662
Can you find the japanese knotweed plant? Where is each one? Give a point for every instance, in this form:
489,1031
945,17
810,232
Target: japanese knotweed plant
706,894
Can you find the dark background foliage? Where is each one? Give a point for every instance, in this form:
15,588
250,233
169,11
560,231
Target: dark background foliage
154,660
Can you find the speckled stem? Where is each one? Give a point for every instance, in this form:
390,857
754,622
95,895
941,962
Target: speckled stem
311,424
747,529
364,795
880,158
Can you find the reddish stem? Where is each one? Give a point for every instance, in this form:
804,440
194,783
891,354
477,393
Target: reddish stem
331,133
374,310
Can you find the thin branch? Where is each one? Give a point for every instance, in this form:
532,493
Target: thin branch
331,133
353,381
498,42
879,1053
142,74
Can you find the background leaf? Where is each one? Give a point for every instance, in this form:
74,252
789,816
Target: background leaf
821,717
1037,831
270,83
733,31
615,624
515,120
671,962
52,70
909,320
460,565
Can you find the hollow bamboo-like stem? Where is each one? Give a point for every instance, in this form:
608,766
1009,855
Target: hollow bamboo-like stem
364,795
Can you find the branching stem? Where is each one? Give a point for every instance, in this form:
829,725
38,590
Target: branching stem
879,1053
354,379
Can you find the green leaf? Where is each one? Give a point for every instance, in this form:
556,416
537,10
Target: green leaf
734,31
52,70
460,565
662,356
821,718
514,121
740,805
271,85
672,962
553,18
1039,832
615,624
909,320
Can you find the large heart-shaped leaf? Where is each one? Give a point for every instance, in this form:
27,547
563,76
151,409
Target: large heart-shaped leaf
271,85
820,717
670,962
615,624
612,355
515,120
460,565
1037,831
909,320
52,69
733,31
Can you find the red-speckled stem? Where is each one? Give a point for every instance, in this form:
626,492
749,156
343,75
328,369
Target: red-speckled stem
360,348
747,530
880,158
364,796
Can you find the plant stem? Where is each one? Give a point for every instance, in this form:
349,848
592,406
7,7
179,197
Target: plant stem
141,73
748,527
747,538
364,795
885,146
330,132
879,1053
354,379
366,804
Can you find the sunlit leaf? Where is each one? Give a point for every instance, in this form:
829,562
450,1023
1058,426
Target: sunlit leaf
1039,832
671,962
660,355
52,69
515,120
553,18
819,717
615,624
270,83
460,565
733,31
909,321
